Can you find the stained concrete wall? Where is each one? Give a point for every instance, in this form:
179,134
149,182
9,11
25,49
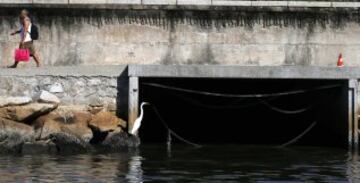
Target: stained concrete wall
251,36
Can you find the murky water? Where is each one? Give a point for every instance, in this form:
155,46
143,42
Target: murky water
225,163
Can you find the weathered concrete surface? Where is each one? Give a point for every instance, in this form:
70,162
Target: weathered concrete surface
247,72
104,70
251,36
81,85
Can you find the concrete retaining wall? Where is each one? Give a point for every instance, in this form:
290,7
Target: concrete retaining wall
107,86
238,37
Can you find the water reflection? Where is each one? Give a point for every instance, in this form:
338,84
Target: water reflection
135,171
113,167
185,164
353,167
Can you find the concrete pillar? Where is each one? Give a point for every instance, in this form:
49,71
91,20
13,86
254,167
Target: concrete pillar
133,101
353,115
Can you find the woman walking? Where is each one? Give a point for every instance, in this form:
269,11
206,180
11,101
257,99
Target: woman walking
26,41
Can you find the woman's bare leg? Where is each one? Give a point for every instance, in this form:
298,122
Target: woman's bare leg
14,65
37,59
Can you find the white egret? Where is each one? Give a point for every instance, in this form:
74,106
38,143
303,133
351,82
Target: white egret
137,122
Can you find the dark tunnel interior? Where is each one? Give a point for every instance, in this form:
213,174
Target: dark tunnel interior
252,111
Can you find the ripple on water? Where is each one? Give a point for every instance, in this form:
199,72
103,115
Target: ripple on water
208,164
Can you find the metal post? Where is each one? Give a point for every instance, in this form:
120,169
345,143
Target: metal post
354,85
353,116
350,122
133,101
168,143
356,120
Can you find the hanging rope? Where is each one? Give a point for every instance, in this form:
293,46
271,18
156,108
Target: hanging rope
233,105
284,111
240,95
246,105
171,131
274,108
299,136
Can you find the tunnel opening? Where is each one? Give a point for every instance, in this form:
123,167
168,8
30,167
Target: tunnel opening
246,111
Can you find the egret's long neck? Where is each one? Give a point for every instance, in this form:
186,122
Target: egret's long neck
141,111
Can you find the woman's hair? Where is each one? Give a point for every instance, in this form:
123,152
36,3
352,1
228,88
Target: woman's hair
24,12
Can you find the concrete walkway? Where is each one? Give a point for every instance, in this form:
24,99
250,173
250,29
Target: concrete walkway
193,71
108,71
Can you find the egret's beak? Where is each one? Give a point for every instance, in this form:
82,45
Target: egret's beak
146,103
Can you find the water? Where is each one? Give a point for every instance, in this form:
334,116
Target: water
218,163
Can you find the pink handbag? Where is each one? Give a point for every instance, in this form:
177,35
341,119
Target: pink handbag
22,55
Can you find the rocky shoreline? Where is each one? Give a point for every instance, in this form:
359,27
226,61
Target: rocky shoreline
41,125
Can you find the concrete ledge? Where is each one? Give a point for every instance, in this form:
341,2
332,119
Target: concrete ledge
318,4
106,71
16,1
230,3
159,2
345,4
261,72
191,3
193,71
269,3
50,1
87,1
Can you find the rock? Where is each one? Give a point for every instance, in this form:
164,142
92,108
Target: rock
12,144
56,88
69,143
75,123
12,101
45,126
118,141
107,122
47,97
95,110
39,147
8,127
79,126
70,132
96,102
13,135
26,113
112,107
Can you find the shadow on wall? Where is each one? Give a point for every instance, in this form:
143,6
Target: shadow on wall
122,95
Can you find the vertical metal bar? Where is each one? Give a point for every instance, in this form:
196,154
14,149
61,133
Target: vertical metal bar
133,101
350,115
355,114
168,143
